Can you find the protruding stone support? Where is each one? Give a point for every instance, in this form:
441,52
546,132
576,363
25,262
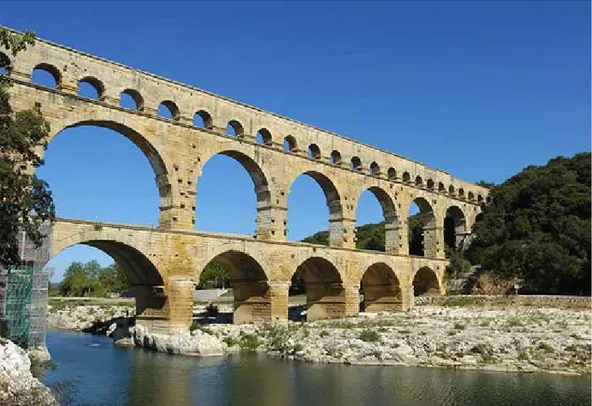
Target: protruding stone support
175,218
393,237
253,301
407,295
150,307
271,223
331,300
433,242
382,298
342,232
180,301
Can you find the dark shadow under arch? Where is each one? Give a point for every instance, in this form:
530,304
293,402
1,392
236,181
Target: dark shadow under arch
381,289
425,283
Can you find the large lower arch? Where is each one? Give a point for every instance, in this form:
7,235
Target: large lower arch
264,227
251,289
455,228
391,224
325,293
382,291
333,200
155,155
426,283
147,280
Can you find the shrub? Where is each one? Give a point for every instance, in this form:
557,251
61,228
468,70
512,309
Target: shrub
369,336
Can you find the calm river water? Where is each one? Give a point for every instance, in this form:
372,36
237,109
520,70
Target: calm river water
91,371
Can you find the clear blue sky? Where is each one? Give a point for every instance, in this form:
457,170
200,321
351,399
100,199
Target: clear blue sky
479,89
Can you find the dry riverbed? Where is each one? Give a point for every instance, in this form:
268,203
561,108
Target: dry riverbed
510,338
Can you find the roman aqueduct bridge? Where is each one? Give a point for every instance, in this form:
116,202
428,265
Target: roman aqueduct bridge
164,263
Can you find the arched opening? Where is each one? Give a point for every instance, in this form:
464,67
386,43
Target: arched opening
376,222
131,99
391,174
355,164
425,283
381,290
102,268
5,64
406,177
234,129
91,88
309,208
249,286
441,187
461,192
231,191
430,184
418,181
128,187
451,190
290,144
46,75
325,295
455,229
169,110
480,198
422,229
314,151
263,137
202,119
375,169
471,196
335,157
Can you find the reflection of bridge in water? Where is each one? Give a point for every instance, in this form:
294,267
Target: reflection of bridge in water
164,263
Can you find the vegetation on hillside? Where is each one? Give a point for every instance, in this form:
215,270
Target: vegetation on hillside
537,228
25,201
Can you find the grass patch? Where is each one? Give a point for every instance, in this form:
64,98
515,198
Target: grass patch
369,336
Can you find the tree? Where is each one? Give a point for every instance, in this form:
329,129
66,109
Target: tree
214,276
537,228
90,279
75,281
25,200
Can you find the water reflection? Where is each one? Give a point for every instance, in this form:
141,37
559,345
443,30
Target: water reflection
105,375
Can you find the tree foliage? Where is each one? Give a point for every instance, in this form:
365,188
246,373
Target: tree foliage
214,276
90,279
537,228
25,200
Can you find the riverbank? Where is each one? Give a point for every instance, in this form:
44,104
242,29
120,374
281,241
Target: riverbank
18,387
461,335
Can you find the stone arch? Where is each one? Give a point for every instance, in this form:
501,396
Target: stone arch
426,283
314,151
479,199
160,163
455,227
172,108
249,285
430,184
461,192
335,157
375,169
391,220
235,128
333,199
424,244
391,174
356,164
52,70
260,183
451,190
205,117
418,181
325,293
264,137
406,177
441,187
290,144
136,97
95,83
471,196
381,288
147,278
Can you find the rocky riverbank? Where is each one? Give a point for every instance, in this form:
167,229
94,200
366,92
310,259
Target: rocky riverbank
17,385
490,337
511,339
78,317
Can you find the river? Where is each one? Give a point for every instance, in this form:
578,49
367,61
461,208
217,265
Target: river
91,371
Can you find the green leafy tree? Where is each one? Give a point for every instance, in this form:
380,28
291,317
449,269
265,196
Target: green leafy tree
114,279
75,281
214,276
537,228
25,200
90,279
